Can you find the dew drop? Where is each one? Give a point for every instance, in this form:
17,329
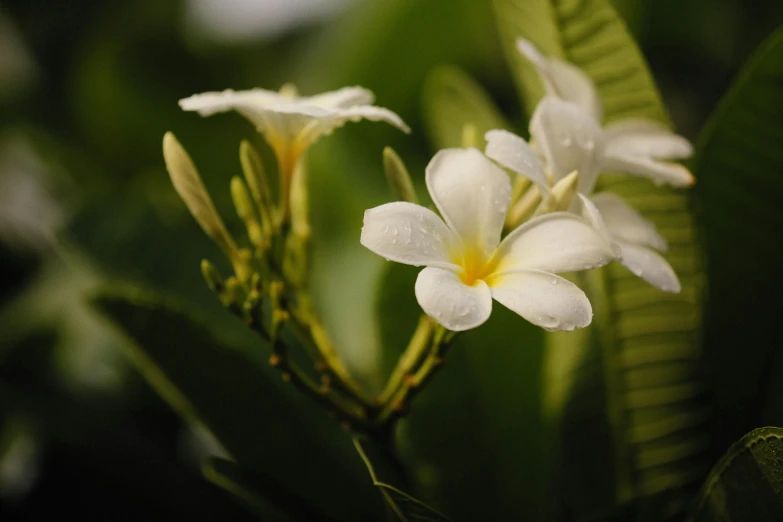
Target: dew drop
553,281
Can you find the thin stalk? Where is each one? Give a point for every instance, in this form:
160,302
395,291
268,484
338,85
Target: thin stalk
410,358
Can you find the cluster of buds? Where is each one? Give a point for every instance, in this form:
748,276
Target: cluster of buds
268,289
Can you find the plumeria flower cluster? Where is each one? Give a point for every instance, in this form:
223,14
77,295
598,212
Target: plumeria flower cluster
566,133
467,265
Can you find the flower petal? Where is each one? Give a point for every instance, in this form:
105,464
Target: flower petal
650,266
328,123
638,137
514,153
341,98
564,80
556,242
472,194
546,300
278,117
569,138
409,234
625,223
659,172
455,305
209,103
585,208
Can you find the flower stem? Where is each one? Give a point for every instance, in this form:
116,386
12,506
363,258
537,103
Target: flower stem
410,358
414,381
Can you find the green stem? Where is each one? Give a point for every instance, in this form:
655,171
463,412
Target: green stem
410,358
413,383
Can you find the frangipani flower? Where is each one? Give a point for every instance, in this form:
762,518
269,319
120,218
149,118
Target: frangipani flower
570,116
292,123
467,264
572,147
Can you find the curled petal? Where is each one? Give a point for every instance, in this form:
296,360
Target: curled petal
639,137
590,212
569,138
209,103
650,266
556,242
341,98
658,171
472,194
410,234
546,300
512,152
625,223
564,80
328,123
457,306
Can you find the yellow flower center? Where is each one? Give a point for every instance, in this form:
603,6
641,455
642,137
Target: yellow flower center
475,265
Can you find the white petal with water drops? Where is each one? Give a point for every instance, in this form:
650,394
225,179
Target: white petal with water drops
625,223
650,266
556,242
457,306
409,234
514,153
473,195
546,300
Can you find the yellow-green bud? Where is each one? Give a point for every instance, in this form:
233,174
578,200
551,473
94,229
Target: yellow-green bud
190,188
398,177
470,136
212,276
523,207
300,219
255,175
561,196
246,211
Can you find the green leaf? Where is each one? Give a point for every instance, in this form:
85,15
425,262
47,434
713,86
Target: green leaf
739,164
223,382
747,483
637,383
249,489
452,100
405,507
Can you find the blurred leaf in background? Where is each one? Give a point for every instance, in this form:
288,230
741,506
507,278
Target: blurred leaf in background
90,87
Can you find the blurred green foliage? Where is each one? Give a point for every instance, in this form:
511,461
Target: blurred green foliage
108,75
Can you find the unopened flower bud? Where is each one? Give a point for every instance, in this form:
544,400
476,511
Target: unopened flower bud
470,136
255,176
300,219
212,276
190,188
246,210
561,196
398,177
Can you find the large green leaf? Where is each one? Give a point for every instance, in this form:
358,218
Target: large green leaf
452,100
639,376
747,483
739,163
222,381
472,437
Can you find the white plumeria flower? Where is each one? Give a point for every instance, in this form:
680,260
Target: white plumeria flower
467,264
634,238
570,115
292,123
